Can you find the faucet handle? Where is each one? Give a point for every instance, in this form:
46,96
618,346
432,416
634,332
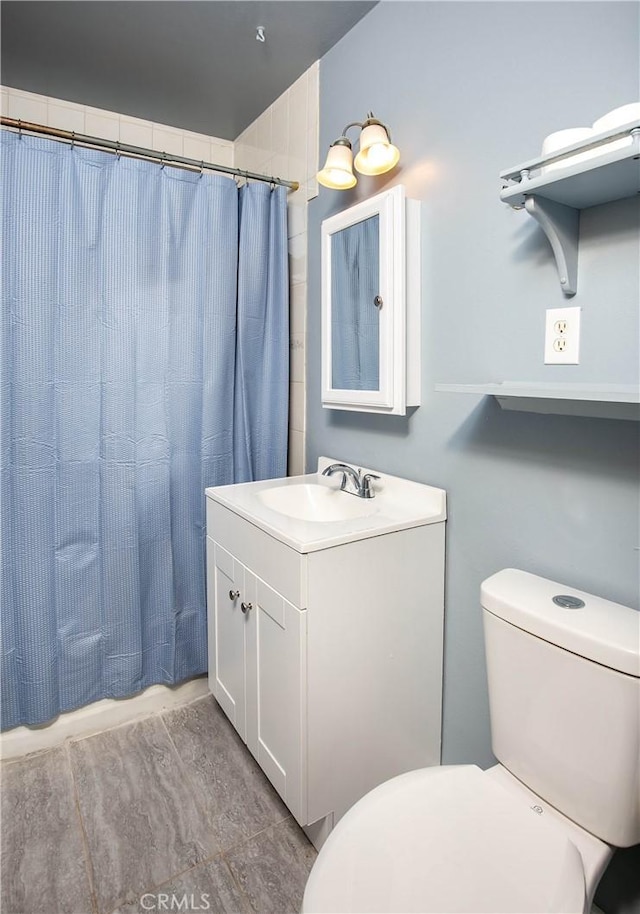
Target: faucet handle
367,491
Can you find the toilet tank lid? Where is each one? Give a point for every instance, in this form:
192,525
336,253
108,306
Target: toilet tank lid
605,632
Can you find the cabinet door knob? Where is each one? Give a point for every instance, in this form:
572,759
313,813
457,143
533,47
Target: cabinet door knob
245,607
234,594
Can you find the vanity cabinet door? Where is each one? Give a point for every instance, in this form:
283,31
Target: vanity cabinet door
276,693
227,624
257,671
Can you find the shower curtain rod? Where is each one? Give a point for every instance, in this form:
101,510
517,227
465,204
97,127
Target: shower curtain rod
126,149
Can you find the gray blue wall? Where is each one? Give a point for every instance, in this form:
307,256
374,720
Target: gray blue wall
470,89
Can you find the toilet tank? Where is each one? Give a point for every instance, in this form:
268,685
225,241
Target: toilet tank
564,695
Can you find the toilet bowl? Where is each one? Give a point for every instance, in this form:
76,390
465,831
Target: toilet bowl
455,839
564,691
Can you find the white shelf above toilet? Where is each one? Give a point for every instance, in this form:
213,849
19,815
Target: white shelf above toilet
602,401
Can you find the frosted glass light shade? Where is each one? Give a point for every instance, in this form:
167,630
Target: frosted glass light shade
338,169
377,153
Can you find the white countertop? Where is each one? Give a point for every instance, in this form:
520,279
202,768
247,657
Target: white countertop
398,504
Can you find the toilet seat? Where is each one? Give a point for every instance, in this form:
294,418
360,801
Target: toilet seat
445,839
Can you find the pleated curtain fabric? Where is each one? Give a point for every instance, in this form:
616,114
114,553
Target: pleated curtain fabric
261,420
122,328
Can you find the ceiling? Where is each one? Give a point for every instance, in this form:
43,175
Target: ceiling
194,64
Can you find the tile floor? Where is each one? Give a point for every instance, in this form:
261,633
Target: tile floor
168,810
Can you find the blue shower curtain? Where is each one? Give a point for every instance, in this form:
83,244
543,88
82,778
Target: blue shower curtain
144,357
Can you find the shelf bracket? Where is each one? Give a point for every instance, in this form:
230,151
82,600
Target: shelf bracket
561,225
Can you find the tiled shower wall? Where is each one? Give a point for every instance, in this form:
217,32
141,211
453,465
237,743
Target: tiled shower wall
283,141
108,125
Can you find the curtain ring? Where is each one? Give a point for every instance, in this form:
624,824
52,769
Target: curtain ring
73,138
201,167
19,129
163,156
118,150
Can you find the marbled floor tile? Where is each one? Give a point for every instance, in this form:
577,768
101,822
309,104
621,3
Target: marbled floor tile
141,820
229,784
273,867
44,868
209,887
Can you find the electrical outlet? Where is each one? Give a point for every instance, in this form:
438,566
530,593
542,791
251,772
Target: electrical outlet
562,336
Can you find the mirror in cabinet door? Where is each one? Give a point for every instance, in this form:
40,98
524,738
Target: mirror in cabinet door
371,305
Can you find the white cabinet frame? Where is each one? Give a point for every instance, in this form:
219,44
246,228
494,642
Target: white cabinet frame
399,288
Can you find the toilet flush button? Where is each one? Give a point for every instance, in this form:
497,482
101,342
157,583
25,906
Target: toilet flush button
568,602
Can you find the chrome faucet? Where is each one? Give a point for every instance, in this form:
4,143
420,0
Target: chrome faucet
360,484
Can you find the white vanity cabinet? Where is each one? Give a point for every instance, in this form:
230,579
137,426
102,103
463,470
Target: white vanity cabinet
327,661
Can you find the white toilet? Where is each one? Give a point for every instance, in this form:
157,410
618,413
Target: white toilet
534,833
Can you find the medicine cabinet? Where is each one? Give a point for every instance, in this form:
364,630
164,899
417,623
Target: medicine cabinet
371,305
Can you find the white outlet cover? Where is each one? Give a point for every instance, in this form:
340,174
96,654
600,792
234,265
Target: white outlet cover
570,355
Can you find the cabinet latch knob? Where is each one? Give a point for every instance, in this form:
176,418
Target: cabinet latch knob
245,607
234,594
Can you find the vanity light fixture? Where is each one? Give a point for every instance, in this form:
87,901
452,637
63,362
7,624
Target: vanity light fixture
376,156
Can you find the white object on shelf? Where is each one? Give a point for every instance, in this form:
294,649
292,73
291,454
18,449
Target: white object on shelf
617,118
554,198
601,401
326,660
558,141
601,179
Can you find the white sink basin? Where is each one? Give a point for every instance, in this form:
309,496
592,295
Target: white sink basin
314,502
310,512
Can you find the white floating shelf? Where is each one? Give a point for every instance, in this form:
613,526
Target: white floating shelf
606,177
599,401
555,196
